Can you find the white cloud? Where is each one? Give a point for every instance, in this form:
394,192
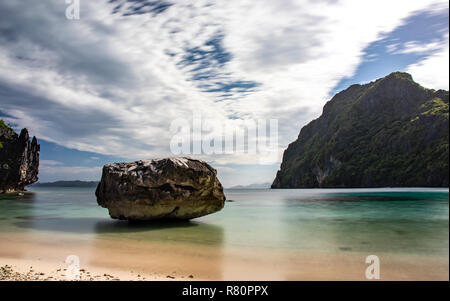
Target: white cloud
54,170
433,71
252,174
49,163
414,47
106,83
392,48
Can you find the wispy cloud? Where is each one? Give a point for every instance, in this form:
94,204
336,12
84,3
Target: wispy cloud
55,170
433,71
415,47
49,163
112,81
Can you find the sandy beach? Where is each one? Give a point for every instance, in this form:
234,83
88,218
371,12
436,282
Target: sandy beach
12,269
27,257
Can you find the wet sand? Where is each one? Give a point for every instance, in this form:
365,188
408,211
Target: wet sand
107,259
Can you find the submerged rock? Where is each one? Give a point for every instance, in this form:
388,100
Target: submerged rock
172,188
19,159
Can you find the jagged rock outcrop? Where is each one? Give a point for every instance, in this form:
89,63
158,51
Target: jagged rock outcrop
170,188
19,159
390,132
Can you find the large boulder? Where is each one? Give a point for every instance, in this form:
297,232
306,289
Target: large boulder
170,188
19,159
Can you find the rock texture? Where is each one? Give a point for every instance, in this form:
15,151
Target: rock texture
19,159
170,188
390,132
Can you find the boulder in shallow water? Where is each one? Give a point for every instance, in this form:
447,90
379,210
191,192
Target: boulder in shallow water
170,188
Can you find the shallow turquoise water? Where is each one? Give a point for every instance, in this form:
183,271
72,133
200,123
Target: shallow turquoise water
412,221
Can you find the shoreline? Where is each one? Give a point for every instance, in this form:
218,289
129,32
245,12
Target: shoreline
38,239
156,261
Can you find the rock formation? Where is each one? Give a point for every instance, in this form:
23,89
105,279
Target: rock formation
19,159
390,132
170,188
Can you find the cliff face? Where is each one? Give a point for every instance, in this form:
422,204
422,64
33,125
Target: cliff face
390,132
19,159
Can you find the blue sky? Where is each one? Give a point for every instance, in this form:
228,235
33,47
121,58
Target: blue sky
106,88
385,54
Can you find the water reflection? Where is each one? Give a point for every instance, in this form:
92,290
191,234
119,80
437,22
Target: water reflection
83,225
387,222
75,211
282,225
54,224
188,231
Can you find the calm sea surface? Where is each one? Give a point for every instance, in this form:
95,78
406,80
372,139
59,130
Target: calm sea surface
412,221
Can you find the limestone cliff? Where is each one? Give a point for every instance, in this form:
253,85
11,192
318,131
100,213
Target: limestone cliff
19,159
390,132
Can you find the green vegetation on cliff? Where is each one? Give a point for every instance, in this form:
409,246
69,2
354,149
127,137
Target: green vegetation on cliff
390,132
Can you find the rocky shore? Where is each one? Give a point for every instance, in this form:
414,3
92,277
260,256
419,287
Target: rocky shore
10,272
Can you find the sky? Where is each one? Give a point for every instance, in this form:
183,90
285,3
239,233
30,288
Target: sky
106,87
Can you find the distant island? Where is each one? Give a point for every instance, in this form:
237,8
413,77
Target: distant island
251,186
391,132
76,183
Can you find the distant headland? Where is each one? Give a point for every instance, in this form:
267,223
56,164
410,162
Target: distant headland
76,183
